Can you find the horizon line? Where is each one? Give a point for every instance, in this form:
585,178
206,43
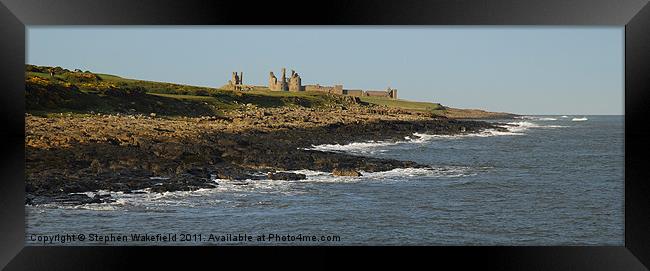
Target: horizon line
216,87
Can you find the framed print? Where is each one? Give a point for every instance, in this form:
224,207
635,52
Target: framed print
507,132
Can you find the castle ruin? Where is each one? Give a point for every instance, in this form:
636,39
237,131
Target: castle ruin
236,82
294,83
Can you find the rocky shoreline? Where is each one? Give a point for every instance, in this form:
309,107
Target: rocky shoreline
68,155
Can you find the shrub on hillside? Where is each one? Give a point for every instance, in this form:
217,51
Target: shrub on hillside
32,68
80,77
201,92
125,91
44,93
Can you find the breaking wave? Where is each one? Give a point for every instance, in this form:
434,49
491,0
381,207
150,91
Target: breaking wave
536,118
395,174
520,126
484,133
516,128
358,147
144,200
579,119
228,192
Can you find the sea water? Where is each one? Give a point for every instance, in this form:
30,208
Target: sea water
548,180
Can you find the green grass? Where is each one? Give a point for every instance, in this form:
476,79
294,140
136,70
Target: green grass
46,75
160,98
176,99
110,77
218,105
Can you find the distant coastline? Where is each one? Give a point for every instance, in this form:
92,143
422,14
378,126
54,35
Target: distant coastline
89,132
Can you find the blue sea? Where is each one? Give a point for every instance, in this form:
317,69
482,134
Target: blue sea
549,180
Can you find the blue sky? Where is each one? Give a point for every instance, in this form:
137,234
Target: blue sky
525,70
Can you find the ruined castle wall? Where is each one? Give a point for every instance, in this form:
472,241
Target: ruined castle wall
317,88
377,93
239,87
337,89
273,82
353,92
295,84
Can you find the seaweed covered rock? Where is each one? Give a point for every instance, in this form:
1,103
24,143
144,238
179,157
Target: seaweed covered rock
287,176
346,172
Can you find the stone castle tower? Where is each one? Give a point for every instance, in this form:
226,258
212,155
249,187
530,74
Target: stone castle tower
237,81
273,81
294,83
392,93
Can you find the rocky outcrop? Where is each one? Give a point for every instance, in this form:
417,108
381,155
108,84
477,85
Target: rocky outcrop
287,176
71,154
68,199
346,172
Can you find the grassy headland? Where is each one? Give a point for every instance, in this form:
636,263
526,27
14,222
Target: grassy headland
87,131
87,92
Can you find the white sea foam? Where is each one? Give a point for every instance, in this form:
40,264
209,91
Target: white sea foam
320,176
157,201
372,147
485,133
524,117
151,201
513,129
536,118
579,119
160,202
394,174
521,126
357,147
445,171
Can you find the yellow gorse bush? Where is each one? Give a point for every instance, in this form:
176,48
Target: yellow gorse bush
36,80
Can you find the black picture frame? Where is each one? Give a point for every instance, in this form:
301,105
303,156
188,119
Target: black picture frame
634,15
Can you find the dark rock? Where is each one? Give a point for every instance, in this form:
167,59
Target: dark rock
29,199
134,192
119,187
77,199
276,142
29,187
346,172
102,198
37,200
287,176
234,173
185,182
196,171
